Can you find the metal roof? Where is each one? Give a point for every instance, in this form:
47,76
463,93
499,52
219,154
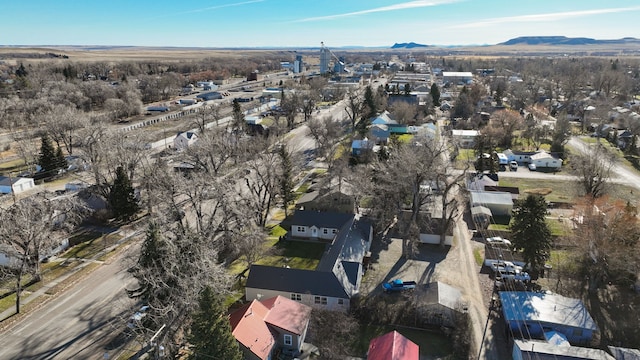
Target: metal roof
491,197
527,306
542,350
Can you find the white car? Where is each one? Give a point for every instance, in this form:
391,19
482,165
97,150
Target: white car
498,241
136,318
532,167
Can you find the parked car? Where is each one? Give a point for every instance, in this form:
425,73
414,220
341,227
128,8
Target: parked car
498,241
513,166
532,167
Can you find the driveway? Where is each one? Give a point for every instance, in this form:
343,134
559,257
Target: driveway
453,265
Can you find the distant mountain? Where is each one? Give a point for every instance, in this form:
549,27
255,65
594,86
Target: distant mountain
563,40
410,45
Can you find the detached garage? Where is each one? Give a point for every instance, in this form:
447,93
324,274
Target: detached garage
545,160
15,184
500,203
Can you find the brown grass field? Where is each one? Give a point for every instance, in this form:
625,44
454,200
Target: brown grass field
140,53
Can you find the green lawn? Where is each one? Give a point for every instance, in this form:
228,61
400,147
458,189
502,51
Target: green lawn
433,344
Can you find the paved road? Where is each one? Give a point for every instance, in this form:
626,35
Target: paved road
79,324
621,174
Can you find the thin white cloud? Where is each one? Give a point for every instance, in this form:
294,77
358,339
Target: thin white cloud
221,6
401,6
209,8
544,17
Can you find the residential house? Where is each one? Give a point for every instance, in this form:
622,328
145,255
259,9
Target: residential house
521,157
362,147
184,139
457,77
624,138
543,159
253,119
531,314
500,203
383,119
542,350
379,133
428,226
316,225
326,200
441,303
265,328
393,346
332,284
15,185
466,139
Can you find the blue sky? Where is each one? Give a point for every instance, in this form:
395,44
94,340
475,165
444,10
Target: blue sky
305,23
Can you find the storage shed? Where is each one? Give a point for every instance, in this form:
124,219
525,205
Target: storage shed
15,184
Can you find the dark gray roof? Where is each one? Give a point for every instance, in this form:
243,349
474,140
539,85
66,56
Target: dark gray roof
332,220
352,270
351,244
321,283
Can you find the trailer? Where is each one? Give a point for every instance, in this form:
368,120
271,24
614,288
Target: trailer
398,285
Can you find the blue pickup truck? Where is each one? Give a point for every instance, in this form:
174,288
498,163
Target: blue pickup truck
398,285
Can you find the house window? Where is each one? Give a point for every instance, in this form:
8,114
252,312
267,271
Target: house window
577,332
340,301
325,231
301,229
333,231
288,340
296,297
321,300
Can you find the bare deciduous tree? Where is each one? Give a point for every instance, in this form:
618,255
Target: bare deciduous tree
607,240
30,228
593,167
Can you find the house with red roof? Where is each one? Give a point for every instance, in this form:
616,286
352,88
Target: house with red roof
268,327
393,346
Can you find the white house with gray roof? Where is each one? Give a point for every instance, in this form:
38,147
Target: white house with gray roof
331,285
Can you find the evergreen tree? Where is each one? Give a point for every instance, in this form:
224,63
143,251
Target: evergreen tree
530,232
435,94
286,178
238,116
122,198
48,158
211,334
61,161
407,89
371,109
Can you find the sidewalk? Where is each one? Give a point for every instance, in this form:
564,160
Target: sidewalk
85,262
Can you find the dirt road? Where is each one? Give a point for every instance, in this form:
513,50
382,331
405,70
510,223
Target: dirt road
454,266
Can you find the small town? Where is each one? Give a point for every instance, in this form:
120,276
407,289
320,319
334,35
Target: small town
407,202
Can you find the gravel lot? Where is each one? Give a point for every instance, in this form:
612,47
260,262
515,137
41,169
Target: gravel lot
452,265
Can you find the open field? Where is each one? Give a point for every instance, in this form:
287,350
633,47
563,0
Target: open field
141,53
